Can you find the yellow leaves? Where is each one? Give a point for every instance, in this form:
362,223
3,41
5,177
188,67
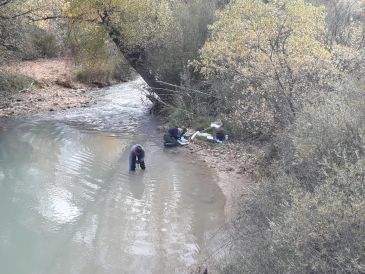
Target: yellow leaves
260,33
142,23
268,55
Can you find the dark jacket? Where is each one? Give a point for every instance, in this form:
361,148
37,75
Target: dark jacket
134,156
174,132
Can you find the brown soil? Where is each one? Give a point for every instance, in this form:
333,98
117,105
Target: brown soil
54,88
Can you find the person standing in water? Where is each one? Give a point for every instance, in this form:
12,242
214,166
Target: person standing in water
136,156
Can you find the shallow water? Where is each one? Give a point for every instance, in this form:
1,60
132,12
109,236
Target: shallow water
69,205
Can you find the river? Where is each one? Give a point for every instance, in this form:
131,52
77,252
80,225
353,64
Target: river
69,205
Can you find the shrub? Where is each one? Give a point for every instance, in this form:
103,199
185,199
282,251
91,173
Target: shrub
45,44
323,231
10,83
99,60
180,118
306,214
264,60
326,136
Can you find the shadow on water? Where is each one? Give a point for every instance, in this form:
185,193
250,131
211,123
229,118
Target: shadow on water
68,203
136,184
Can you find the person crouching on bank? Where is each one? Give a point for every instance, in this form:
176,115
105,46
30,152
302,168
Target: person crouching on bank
172,136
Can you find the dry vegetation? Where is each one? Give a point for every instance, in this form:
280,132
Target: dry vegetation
41,85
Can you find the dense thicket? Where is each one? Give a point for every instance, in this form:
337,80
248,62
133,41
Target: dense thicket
293,72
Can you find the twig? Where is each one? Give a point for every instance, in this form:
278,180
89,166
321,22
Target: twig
186,89
27,89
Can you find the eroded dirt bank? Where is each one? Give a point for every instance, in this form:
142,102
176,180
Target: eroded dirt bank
54,88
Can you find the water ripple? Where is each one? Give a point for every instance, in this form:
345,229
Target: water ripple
66,192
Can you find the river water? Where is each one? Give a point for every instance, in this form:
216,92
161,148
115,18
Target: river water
69,205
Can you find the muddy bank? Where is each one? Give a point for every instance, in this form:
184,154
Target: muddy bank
235,165
54,88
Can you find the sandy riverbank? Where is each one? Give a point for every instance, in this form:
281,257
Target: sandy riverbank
55,88
235,166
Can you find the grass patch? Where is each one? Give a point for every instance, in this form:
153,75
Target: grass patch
10,83
104,74
184,118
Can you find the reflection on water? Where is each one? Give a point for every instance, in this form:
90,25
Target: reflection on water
69,205
136,186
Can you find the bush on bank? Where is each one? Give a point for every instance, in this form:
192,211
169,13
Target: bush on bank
306,213
10,83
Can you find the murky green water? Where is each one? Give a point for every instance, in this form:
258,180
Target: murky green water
69,205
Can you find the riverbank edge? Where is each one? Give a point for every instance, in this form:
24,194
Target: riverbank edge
54,87
235,166
52,98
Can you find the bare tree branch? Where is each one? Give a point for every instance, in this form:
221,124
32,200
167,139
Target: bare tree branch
4,2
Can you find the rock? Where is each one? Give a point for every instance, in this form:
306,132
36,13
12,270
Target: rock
51,109
99,84
66,84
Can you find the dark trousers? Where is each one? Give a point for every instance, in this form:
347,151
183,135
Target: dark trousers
133,161
169,141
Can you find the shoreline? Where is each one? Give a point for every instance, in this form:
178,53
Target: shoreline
54,88
53,98
232,164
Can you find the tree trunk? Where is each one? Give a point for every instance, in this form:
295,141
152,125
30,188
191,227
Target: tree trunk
138,60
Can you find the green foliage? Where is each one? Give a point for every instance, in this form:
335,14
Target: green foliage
180,118
192,17
45,44
263,60
306,214
322,231
201,123
145,23
105,73
99,60
157,38
326,137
